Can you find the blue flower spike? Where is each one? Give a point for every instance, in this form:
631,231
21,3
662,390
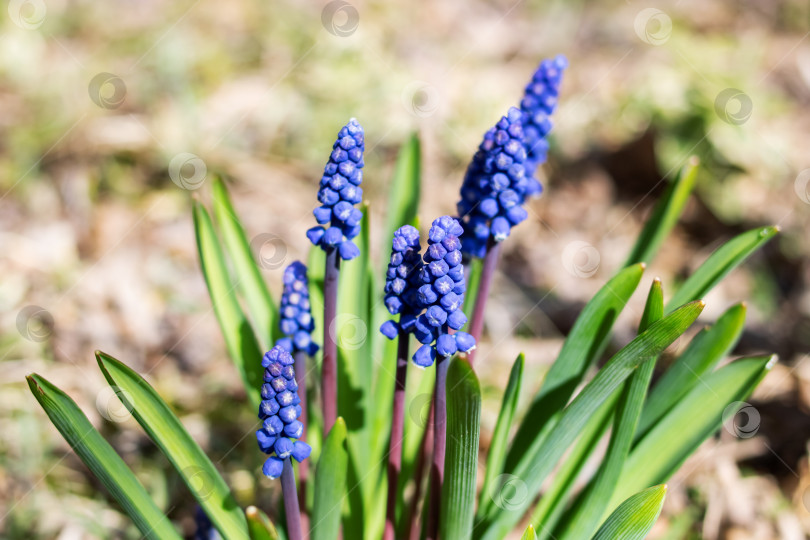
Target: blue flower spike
441,295
339,220
279,411
402,280
296,315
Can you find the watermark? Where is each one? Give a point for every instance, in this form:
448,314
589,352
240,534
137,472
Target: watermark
509,492
27,14
340,18
187,171
269,250
802,186
199,482
653,26
349,331
35,323
115,404
581,259
421,99
733,106
107,90
419,410
741,419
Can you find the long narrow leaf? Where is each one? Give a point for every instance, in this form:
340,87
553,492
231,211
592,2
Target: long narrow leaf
101,459
330,485
529,534
634,518
259,525
164,428
461,460
575,417
403,198
239,338
263,310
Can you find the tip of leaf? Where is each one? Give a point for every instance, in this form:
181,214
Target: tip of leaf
701,303
772,361
657,280
643,265
694,161
252,512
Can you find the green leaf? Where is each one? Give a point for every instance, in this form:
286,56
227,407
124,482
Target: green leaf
585,515
403,199
473,270
500,437
259,525
259,301
666,214
585,343
721,262
529,534
634,518
461,460
330,484
699,414
101,459
163,427
575,417
239,338
707,348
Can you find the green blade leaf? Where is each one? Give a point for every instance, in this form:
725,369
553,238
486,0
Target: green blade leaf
461,460
666,214
239,338
473,273
330,484
699,414
707,348
500,437
585,515
634,518
721,262
403,200
263,310
575,417
587,340
164,428
529,534
259,525
101,459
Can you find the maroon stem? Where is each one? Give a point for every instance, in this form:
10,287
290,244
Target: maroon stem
487,273
412,528
291,509
301,381
439,447
395,443
329,370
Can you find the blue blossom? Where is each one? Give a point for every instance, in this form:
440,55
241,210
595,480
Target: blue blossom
441,295
205,529
402,280
296,316
339,220
279,411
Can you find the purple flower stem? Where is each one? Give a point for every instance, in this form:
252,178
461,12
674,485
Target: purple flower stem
397,427
487,273
439,447
291,510
301,380
329,369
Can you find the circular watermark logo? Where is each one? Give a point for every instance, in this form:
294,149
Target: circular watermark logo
269,250
419,410
581,259
115,404
509,492
653,26
802,186
199,481
187,171
733,106
421,99
340,18
27,14
741,419
107,90
35,323
349,331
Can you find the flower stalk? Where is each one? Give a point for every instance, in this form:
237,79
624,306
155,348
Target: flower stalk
291,508
397,432
329,368
491,257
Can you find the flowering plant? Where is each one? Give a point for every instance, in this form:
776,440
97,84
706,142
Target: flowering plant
381,473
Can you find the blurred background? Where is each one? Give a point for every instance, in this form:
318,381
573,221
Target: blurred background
114,115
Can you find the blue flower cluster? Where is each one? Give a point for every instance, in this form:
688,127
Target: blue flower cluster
296,317
442,295
402,280
495,186
280,409
339,191
538,103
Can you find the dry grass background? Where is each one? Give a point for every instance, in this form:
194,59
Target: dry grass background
95,232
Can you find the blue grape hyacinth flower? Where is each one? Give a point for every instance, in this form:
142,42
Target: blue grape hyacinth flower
279,411
495,186
296,315
402,281
539,101
441,295
339,220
